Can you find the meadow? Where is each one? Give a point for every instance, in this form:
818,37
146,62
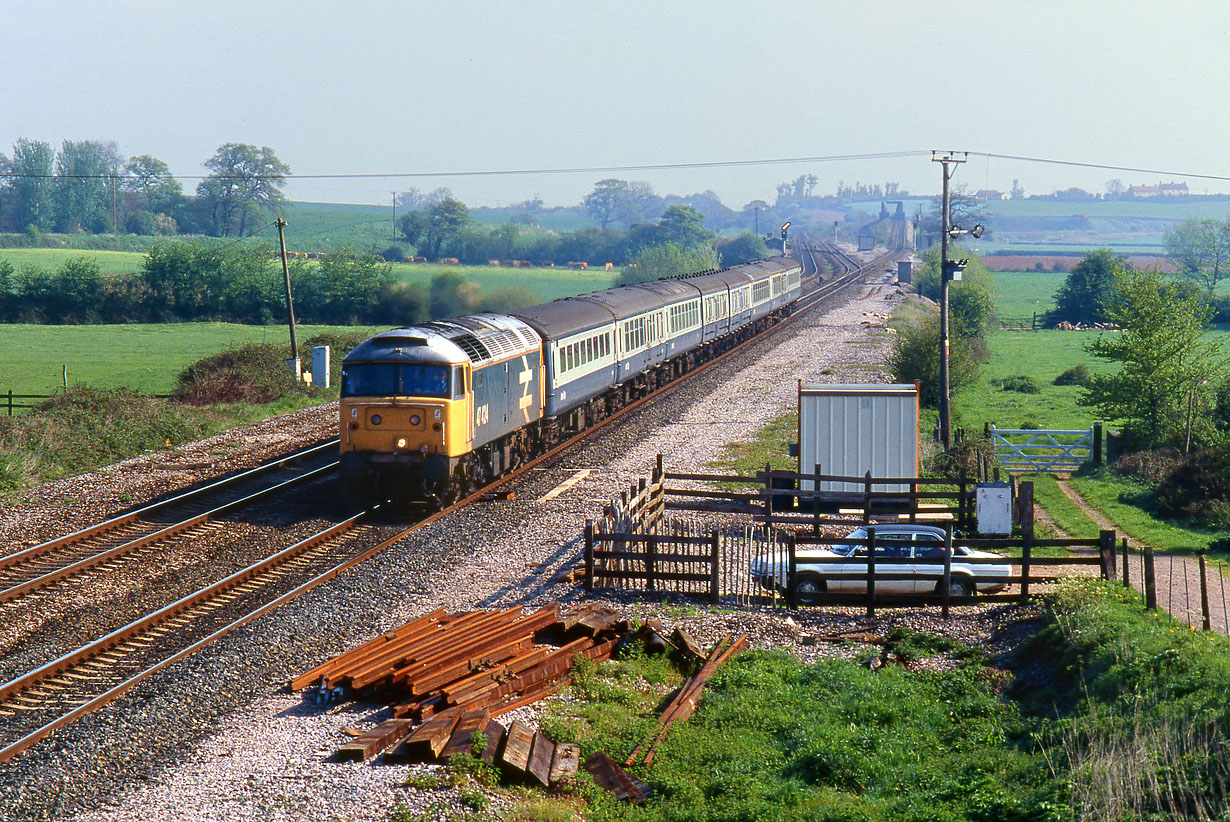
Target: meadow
144,358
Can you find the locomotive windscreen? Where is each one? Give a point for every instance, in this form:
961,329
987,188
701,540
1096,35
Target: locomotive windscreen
385,379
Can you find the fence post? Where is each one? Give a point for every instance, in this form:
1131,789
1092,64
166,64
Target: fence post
871,572
589,555
10,402
815,502
1027,547
947,578
768,498
1150,580
867,499
791,568
1127,582
715,564
1204,592
962,511
651,561
1096,449
1106,552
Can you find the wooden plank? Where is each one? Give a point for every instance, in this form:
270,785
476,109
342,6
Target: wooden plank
427,740
517,747
461,741
565,763
373,741
541,756
615,779
494,732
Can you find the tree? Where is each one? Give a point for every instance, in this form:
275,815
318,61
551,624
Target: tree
245,181
1201,248
83,190
684,226
30,186
668,260
970,303
151,184
441,223
1017,192
1090,286
964,209
608,202
747,246
416,200
916,356
1165,358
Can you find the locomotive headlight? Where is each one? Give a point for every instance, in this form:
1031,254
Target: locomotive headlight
401,442
375,419
415,419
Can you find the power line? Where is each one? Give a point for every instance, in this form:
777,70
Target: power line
833,158
1099,165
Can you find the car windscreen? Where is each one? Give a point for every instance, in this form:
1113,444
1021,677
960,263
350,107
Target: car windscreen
403,379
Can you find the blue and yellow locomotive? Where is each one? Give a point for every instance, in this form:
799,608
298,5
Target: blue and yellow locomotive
431,411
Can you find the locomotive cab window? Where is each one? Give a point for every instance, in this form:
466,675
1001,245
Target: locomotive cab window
383,379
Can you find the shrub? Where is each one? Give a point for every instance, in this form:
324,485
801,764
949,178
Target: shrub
1076,375
393,254
1190,490
1153,466
916,356
252,373
1020,383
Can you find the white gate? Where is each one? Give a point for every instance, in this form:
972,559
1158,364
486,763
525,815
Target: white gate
1045,451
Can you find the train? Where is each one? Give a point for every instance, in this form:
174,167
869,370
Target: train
429,412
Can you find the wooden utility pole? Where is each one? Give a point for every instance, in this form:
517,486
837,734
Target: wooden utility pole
945,227
290,304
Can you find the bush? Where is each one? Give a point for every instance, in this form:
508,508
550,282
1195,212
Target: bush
1153,466
393,254
916,356
252,374
1076,375
1197,488
1020,384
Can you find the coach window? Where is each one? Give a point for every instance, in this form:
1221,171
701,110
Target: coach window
459,382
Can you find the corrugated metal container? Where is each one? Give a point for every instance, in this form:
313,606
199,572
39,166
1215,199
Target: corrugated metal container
849,430
905,272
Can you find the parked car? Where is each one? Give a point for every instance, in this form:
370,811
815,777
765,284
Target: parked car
817,569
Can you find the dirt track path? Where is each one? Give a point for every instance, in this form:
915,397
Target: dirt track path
1177,576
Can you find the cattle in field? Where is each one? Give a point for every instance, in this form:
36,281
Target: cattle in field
449,261
610,267
417,260
546,264
522,264
493,262
578,265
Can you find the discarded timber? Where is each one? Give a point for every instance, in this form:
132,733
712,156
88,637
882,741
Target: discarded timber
462,740
565,763
615,779
375,741
517,747
541,755
427,740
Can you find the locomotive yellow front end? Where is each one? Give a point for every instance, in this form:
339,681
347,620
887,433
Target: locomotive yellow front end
405,416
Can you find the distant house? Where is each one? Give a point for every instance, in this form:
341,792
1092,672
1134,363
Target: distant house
1160,190
989,194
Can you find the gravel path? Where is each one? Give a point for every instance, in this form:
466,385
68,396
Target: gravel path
1176,576
215,738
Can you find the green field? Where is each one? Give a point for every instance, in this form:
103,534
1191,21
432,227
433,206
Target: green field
546,283
49,259
1022,293
141,357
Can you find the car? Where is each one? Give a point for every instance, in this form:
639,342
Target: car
822,569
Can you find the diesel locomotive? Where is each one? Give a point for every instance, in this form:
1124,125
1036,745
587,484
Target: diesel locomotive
431,411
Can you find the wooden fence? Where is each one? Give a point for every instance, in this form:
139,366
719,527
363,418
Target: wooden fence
7,400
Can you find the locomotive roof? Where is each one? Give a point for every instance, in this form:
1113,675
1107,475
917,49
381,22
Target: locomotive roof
479,338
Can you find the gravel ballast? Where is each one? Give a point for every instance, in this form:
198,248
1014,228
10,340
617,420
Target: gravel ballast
216,738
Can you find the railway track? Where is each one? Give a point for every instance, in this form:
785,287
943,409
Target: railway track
36,703
139,534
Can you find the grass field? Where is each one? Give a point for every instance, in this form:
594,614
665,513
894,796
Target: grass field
142,357
49,259
547,283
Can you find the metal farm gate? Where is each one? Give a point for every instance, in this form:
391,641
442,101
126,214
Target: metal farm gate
1045,451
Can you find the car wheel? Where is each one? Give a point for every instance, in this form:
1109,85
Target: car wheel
807,589
959,587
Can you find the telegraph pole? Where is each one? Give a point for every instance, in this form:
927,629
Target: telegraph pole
290,305
393,236
945,160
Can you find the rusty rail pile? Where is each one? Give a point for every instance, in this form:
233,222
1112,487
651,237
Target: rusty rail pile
448,676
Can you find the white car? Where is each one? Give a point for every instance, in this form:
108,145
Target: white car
816,571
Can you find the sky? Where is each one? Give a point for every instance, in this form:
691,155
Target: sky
386,88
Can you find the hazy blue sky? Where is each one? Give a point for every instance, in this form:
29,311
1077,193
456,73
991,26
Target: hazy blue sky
395,87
